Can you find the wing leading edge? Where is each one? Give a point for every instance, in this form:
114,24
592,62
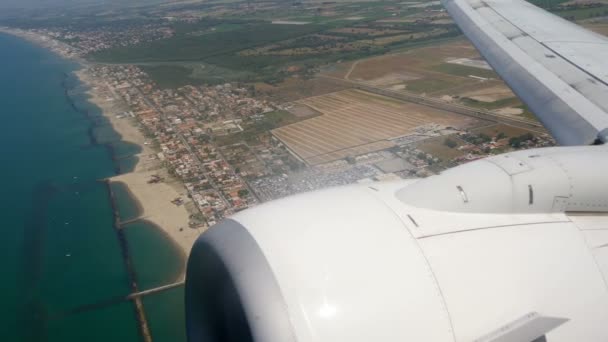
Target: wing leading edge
556,67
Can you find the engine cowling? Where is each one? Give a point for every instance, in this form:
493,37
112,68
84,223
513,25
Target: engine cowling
394,262
334,265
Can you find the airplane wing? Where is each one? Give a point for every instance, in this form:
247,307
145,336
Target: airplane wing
556,67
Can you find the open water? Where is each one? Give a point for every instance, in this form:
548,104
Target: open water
60,256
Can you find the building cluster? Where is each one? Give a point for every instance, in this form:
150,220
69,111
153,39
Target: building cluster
407,159
184,124
95,38
479,145
216,140
309,179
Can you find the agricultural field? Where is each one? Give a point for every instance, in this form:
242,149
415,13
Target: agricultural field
490,95
415,63
271,41
302,111
177,75
453,71
355,122
506,130
581,12
192,42
600,27
464,71
293,89
186,47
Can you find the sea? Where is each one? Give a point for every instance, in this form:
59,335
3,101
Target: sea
63,272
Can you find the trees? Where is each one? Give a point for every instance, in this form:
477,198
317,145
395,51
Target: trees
485,138
517,141
450,143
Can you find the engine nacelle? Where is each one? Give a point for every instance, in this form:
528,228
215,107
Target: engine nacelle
451,257
532,181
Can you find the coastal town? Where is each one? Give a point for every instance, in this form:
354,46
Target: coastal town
225,147
209,138
202,110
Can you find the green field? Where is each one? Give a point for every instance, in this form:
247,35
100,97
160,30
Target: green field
181,74
188,48
243,45
170,76
509,102
251,131
584,13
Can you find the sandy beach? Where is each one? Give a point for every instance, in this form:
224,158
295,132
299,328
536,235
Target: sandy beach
154,199
112,107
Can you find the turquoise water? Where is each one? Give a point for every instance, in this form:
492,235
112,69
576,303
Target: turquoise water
126,207
146,260
161,306
165,310
59,250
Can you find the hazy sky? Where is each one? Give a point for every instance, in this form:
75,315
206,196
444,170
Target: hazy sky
32,4
44,3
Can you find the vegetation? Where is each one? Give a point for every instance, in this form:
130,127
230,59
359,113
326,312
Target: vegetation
527,114
243,46
279,118
223,41
548,4
183,47
518,141
477,139
464,71
167,76
502,103
450,143
181,74
253,130
427,85
580,13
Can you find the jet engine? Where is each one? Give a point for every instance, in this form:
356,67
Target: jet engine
508,248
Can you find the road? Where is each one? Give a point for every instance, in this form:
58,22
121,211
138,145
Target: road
350,71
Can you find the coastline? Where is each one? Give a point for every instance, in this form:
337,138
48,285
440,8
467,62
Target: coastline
153,199
62,49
